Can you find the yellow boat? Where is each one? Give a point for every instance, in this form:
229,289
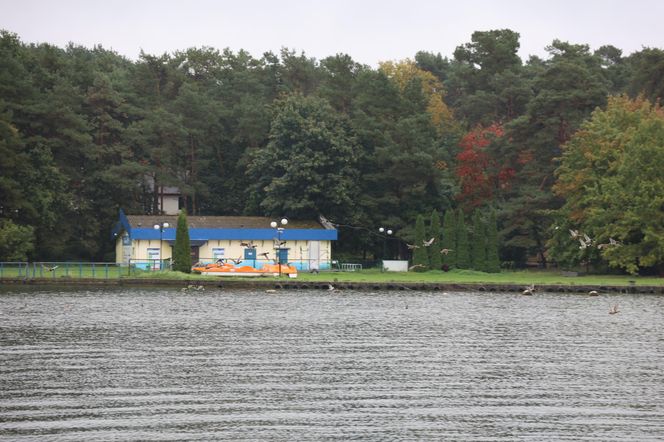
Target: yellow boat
228,269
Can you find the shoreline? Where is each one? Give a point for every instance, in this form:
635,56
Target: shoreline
290,284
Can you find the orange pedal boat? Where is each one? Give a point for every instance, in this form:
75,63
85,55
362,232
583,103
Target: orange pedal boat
228,269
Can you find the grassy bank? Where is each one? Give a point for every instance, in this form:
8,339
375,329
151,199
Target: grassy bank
525,277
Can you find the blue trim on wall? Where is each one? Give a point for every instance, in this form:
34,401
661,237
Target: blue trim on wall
238,234
121,225
124,222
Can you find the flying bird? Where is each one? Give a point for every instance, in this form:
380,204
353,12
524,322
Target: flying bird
529,290
428,243
416,266
612,242
249,245
411,246
614,309
574,233
50,269
446,251
585,241
266,255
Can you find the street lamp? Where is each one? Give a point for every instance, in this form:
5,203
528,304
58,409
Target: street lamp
161,228
386,233
280,230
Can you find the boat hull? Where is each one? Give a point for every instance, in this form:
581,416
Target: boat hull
246,271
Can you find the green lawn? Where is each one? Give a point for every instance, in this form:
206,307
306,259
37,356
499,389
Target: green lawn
63,270
523,277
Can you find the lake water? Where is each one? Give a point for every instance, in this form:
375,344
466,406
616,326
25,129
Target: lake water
160,364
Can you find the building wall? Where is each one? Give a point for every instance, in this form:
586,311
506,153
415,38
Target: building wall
171,205
139,249
298,250
118,250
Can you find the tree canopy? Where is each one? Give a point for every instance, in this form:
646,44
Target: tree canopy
85,132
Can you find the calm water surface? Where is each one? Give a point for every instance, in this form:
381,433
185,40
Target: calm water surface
217,365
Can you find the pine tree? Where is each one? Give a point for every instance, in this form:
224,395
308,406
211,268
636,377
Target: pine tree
435,258
449,239
182,248
492,257
463,252
420,255
478,243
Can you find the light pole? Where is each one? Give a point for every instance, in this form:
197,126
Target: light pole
386,233
280,230
161,228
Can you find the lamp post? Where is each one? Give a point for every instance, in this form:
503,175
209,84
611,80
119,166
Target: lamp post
386,233
280,231
161,228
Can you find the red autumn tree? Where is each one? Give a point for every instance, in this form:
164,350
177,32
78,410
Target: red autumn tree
479,172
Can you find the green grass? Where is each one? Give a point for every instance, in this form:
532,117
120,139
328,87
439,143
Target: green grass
523,277
63,271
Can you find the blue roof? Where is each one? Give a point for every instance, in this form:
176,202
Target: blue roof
220,233
238,234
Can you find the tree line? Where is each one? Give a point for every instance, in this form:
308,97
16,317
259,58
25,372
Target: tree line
85,131
455,244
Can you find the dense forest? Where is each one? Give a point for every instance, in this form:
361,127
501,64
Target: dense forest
567,151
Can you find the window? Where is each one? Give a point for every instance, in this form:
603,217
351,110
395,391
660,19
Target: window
218,253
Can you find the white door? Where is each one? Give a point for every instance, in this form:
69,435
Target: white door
314,255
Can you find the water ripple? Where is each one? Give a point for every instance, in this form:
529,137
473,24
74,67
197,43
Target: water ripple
159,365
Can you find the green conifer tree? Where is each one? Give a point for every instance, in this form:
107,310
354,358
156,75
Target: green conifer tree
182,248
463,249
478,243
435,257
449,239
492,256
420,254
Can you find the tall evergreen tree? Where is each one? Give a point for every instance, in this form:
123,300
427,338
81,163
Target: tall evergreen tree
478,243
492,257
463,248
182,248
420,255
449,239
435,257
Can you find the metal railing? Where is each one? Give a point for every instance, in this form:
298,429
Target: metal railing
14,269
109,270
60,269
148,265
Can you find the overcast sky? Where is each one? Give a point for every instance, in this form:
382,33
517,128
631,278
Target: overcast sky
370,31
